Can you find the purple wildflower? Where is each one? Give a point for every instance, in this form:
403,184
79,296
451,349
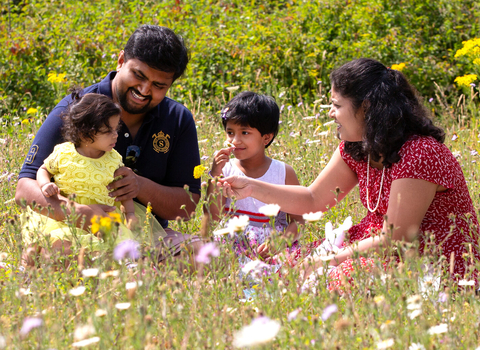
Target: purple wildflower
472,84
430,99
282,108
103,56
289,107
329,311
307,141
292,133
30,323
114,55
319,82
127,249
293,315
208,250
205,157
299,104
442,297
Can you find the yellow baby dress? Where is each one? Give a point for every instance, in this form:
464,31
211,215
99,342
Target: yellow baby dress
88,179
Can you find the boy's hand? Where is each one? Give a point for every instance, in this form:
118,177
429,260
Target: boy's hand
220,158
50,189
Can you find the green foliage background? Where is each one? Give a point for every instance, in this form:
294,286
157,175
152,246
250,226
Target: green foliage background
261,45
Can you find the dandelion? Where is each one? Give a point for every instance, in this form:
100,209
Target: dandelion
25,122
238,223
100,313
399,67
270,210
86,342
77,291
83,332
312,217
466,283
416,346
260,331
122,306
293,315
32,110
198,171
30,323
255,266
206,251
385,344
111,273
329,311
441,328
127,249
106,222
89,272
116,217
56,78
465,80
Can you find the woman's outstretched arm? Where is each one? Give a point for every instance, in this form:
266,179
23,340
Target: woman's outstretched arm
319,196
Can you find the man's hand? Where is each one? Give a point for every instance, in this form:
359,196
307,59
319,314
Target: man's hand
127,187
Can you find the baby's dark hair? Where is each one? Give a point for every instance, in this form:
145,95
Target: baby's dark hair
87,116
253,110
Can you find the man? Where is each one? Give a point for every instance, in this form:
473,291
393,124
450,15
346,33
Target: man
157,140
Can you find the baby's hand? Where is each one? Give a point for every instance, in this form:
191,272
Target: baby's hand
50,189
220,158
132,220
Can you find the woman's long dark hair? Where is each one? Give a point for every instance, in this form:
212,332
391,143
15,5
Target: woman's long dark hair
393,109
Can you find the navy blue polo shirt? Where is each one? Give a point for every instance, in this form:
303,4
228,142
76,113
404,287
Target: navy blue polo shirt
167,140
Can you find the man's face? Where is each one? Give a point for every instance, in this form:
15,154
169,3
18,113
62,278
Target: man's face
137,87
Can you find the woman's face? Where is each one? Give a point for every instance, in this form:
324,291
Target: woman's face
350,123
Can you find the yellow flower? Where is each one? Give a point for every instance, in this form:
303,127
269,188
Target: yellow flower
476,61
95,226
466,80
198,171
149,208
399,67
56,78
32,111
106,222
116,217
470,48
25,122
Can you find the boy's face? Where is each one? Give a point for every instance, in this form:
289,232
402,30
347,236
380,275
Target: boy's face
137,87
248,142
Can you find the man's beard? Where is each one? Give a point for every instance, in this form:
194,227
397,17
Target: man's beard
127,107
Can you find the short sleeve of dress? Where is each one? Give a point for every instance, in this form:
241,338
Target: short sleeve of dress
347,158
117,158
427,159
53,160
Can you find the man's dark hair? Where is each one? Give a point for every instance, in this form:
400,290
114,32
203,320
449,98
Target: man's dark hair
158,47
87,116
393,109
253,110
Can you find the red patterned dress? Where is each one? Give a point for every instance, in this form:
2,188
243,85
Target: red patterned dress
450,218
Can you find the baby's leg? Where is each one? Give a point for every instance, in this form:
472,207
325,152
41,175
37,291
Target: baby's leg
59,254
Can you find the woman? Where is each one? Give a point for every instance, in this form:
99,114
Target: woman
405,173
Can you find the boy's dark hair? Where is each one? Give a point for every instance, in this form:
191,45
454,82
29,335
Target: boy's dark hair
256,111
87,116
393,109
158,47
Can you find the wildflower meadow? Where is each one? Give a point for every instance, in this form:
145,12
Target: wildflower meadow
117,300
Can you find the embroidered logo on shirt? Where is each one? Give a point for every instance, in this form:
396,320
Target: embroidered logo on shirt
31,154
160,142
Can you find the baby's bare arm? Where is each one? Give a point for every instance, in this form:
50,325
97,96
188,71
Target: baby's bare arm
47,187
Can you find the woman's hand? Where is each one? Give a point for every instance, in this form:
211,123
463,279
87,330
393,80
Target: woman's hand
220,158
236,186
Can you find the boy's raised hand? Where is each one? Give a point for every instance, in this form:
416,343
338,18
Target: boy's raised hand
220,158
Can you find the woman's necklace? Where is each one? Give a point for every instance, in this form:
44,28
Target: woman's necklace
379,192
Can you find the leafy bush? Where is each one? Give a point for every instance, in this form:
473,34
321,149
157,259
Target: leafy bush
261,45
